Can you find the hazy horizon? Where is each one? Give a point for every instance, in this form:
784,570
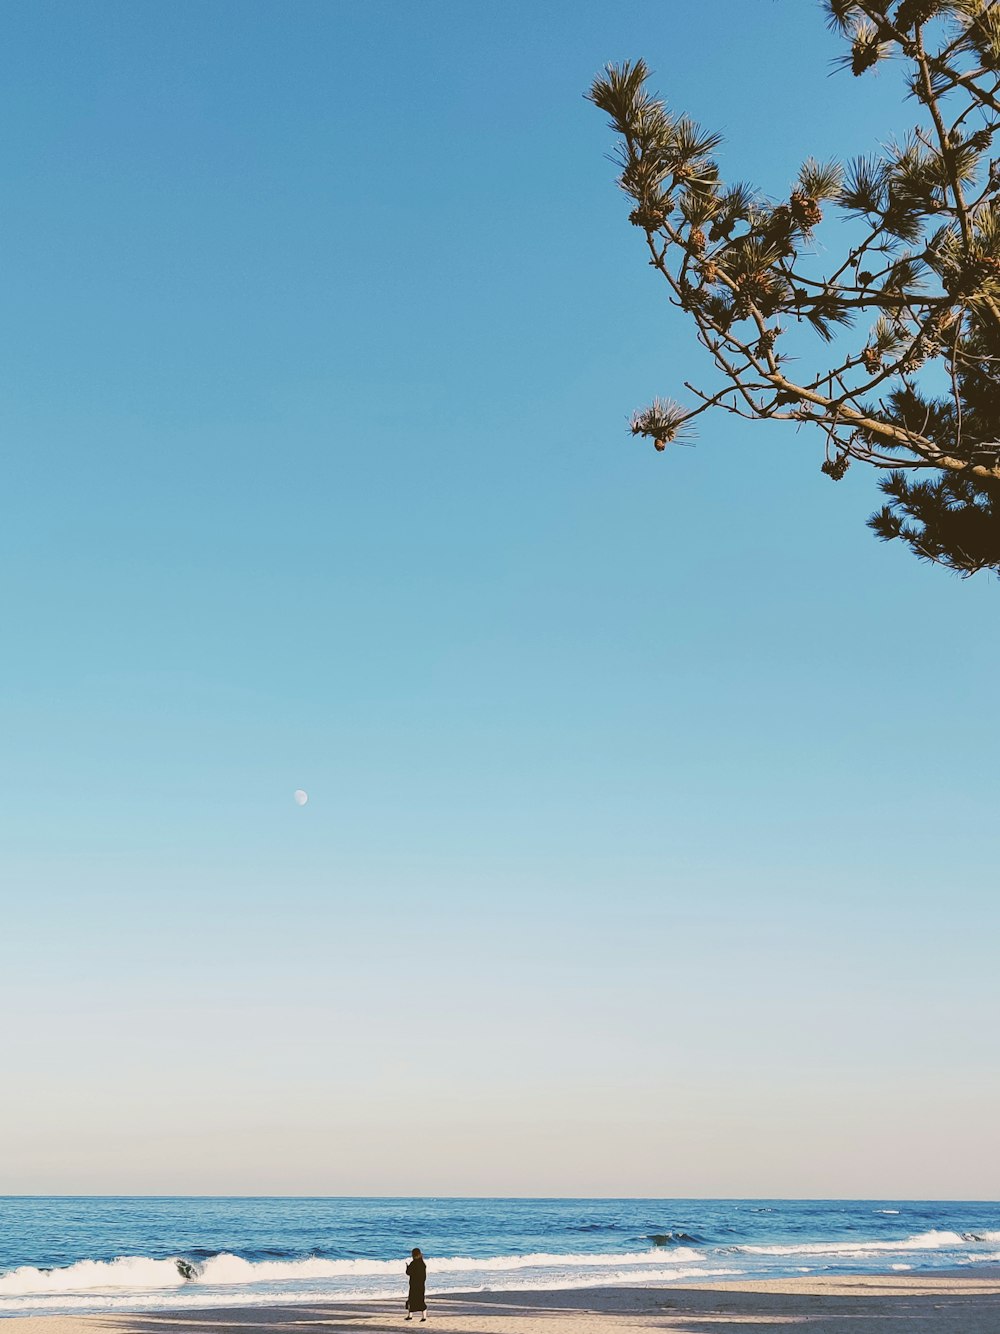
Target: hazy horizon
736,1199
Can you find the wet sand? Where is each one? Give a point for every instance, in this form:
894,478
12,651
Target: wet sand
953,1303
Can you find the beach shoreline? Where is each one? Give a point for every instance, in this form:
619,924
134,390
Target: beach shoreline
945,1302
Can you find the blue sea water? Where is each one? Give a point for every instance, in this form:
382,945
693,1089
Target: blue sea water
72,1254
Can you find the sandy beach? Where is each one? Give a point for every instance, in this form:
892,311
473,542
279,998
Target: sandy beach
847,1304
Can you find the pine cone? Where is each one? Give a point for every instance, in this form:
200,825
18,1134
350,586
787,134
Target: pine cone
804,209
759,289
649,216
767,340
980,141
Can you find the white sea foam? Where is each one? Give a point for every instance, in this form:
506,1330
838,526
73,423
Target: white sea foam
142,1283
140,1274
194,1297
228,1269
134,1273
920,1241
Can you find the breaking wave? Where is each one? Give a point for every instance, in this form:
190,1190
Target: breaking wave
273,1274
920,1241
142,1274
137,1273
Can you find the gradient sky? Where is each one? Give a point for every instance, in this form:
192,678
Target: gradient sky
652,837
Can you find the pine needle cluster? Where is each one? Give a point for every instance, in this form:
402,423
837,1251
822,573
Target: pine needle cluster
913,290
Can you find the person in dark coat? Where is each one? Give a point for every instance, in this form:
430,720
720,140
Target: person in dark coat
417,1272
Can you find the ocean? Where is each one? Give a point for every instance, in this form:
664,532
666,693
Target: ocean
75,1254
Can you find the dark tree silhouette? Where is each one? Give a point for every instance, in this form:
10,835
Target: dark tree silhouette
916,393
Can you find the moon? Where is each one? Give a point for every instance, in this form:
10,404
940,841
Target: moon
300,797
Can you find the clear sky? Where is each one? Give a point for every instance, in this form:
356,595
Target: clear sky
652,836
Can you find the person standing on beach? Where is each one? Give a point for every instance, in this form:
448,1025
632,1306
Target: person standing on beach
417,1272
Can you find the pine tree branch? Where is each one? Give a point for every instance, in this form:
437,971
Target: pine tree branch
927,270
947,155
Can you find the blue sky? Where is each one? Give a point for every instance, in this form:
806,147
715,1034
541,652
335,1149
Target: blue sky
652,834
